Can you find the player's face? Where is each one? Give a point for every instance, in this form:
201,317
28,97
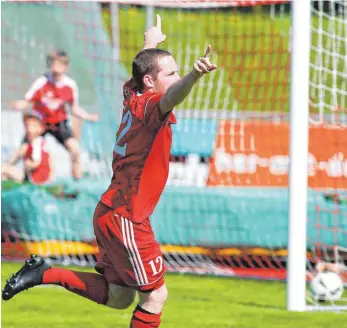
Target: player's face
58,67
33,128
167,75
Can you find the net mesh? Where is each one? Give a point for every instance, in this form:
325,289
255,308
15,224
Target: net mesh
29,32
328,72
225,208
328,63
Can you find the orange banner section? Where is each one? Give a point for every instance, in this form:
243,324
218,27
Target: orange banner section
257,154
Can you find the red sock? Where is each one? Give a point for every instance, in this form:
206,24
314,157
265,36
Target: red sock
90,285
144,319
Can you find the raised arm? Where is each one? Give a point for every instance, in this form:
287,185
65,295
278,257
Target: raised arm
32,95
154,36
82,114
180,89
20,104
77,110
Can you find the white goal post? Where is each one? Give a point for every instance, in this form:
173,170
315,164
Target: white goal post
299,120
312,65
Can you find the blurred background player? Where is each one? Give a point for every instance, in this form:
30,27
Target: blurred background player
130,258
38,166
49,94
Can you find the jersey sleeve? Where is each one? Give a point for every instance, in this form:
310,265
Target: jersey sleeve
33,93
151,114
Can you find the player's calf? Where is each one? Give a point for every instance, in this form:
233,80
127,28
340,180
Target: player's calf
72,146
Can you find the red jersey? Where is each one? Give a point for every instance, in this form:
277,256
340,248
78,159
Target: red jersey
141,156
50,98
37,152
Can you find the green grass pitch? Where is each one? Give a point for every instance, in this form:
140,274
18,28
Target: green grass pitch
194,302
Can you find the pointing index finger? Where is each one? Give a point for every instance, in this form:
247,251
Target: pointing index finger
208,51
158,22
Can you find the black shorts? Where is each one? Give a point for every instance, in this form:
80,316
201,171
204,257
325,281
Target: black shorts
26,177
60,131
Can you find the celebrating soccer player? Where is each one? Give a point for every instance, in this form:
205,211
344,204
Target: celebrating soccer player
130,259
49,94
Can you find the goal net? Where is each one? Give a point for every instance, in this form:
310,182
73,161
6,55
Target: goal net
225,208
328,107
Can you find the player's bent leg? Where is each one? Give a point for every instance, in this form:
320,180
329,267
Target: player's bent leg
90,285
36,272
76,124
72,145
154,301
12,172
120,297
130,255
148,312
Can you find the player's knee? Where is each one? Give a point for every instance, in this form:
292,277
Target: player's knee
160,295
75,157
73,148
156,299
120,298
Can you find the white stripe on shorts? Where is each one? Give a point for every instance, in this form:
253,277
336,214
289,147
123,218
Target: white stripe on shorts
133,252
137,253
125,238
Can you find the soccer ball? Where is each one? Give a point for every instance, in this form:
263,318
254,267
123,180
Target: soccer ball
327,286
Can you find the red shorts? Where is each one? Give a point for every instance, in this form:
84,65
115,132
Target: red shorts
128,253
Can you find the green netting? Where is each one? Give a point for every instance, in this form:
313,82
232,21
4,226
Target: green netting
219,217
30,30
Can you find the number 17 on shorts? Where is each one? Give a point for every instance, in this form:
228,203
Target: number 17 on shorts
128,251
144,252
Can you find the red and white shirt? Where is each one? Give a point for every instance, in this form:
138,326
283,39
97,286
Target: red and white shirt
50,98
141,156
37,152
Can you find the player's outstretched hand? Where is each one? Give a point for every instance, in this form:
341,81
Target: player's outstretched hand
93,118
19,104
203,65
154,35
